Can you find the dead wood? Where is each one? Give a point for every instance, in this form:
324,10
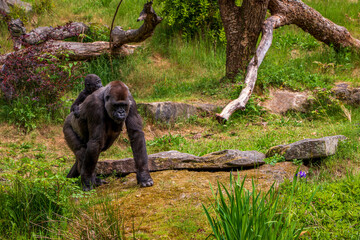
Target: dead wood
47,38
286,12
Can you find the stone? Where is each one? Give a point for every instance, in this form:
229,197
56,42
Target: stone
281,101
170,112
4,6
174,160
343,91
26,6
307,148
233,158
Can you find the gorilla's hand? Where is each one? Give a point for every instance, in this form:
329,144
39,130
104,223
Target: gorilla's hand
144,179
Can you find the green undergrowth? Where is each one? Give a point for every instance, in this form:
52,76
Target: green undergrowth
299,209
333,212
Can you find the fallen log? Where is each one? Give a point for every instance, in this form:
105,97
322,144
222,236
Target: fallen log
47,38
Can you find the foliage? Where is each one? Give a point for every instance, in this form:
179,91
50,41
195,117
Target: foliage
167,142
274,159
334,212
244,214
19,12
36,200
43,6
35,81
193,17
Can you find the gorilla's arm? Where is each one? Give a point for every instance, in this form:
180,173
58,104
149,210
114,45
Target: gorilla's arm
134,126
75,106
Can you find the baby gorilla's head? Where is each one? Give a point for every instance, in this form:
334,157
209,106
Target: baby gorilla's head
92,83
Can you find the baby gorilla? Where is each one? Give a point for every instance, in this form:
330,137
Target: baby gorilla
92,83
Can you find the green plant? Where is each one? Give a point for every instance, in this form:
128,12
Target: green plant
334,209
167,142
243,214
192,17
35,201
274,159
19,12
43,6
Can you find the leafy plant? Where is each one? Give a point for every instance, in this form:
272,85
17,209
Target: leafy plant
192,17
243,214
30,81
274,159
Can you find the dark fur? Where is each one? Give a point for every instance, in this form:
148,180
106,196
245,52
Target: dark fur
102,116
92,83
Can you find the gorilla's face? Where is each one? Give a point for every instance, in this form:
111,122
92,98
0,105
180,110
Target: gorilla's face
117,103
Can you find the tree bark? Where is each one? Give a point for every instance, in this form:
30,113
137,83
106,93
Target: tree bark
311,21
242,27
251,75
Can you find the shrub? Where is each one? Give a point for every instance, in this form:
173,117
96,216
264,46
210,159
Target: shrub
32,80
192,17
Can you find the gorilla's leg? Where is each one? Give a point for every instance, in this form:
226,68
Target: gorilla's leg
87,168
76,145
137,140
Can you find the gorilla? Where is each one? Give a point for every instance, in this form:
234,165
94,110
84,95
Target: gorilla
92,83
102,116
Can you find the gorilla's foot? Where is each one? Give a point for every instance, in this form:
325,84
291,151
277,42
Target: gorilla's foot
99,182
87,184
144,179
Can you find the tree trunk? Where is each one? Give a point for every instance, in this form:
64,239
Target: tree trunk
285,12
242,27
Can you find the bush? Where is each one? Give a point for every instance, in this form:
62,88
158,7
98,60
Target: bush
192,17
31,84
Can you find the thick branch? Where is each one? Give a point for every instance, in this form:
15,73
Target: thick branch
151,20
311,21
270,24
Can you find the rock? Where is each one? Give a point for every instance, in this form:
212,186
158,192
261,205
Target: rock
4,6
170,112
343,91
307,148
232,158
174,160
24,5
281,101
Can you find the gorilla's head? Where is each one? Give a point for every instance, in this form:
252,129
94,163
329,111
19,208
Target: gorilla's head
92,83
117,102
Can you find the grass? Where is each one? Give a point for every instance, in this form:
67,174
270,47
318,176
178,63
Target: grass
167,67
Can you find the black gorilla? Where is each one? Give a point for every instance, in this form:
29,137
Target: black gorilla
102,116
92,83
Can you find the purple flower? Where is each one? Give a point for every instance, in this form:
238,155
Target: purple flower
301,174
